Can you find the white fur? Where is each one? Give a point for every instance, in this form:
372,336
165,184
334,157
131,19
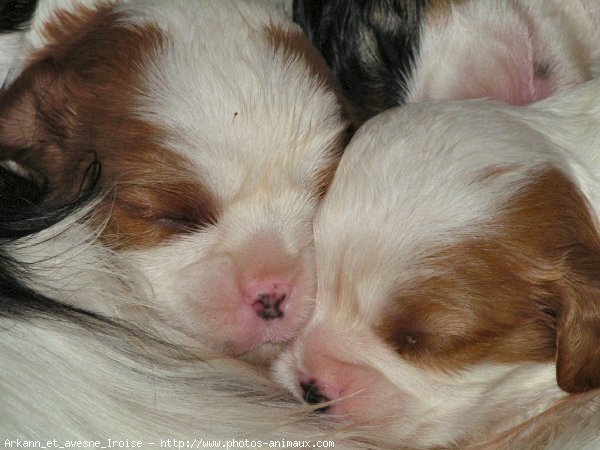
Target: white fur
406,185
89,380
252,138
256,127
489,48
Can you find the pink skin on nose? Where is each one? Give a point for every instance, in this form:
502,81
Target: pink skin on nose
323,374
268,298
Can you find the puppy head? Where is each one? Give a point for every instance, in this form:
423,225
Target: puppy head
515,51
457,267
217,128
386,53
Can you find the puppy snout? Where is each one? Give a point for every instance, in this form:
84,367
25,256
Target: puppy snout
313,395
269,299
268,306
315,392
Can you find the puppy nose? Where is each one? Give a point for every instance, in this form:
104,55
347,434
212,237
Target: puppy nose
312,394
268,298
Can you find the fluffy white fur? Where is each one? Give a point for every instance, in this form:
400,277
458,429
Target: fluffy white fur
517,51
255,126
88,379
409,183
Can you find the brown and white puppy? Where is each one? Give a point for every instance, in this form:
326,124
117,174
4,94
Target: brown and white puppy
458,267
212,131
78,379
385,53
217,128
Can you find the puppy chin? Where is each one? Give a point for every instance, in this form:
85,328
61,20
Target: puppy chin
243,331
263,354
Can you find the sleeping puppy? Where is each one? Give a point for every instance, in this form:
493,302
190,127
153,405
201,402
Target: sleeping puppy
458,268
214,152
114,119
68,374
386,53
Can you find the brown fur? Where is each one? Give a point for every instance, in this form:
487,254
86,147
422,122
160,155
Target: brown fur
438,10
73,105
294,44
528,289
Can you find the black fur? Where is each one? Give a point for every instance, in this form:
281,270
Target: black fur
370,45
16,14
22,214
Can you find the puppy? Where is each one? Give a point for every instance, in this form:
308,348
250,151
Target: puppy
458,257
129,132
386,53
68,374
217,129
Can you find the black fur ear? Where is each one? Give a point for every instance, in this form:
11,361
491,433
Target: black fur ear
308,14
16,15
370,46
20,189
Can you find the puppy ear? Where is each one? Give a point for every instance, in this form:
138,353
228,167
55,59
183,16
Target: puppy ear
34,120
578,321
307,13
556,232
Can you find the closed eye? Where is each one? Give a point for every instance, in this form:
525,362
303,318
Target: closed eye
182,223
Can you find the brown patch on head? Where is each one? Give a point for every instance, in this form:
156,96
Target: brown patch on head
526,289
151,207
74,104
294,44
438,10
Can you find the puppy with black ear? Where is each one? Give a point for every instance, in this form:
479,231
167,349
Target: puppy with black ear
195,233
214,152
386,53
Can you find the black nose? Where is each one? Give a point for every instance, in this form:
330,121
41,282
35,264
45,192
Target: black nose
268,306
313,395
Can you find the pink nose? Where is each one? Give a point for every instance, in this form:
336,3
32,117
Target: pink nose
268,298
